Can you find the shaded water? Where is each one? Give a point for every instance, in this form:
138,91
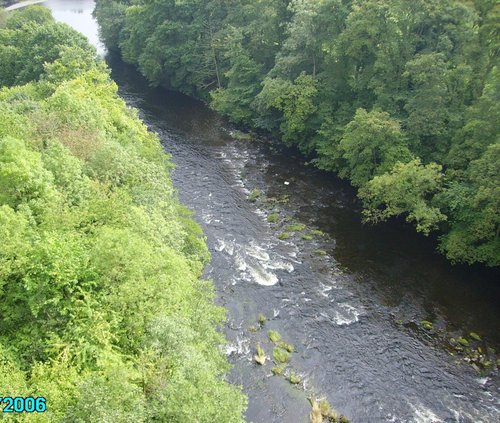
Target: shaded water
340,310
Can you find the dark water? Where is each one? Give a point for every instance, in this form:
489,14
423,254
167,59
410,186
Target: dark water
340,310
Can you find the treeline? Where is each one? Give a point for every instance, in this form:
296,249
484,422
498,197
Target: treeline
103,310
400,97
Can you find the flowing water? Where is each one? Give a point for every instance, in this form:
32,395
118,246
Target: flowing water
350,302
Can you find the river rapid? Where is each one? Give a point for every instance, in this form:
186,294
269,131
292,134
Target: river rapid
351,302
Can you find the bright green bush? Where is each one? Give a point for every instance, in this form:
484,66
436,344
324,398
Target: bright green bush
103,309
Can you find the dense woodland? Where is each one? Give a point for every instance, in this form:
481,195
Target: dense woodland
402,98
102,308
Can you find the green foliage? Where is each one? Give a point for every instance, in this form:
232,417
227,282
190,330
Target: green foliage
31,39
474,235
244,77
358,85
406,189
371,145
112,12
295,101
3,18
103,309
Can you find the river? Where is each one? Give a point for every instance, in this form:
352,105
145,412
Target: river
350,302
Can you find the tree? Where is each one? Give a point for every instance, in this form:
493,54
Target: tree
244,77
408,190
371,145
100,265
295,101
474,205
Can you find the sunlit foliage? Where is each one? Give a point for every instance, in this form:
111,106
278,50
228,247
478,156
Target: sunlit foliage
103,309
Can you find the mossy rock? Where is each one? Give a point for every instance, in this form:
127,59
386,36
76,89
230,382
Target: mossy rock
252,328
321,253
273,218
286,346
241,136
296,227
254,195
399,322
284,199
279,369
293,378
462,341
280,355
262,319
260,357
274,336
426,324
475,336
316,232
315,416
284,236
324,407
307,237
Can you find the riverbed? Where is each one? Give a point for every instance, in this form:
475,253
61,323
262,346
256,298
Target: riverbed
350,299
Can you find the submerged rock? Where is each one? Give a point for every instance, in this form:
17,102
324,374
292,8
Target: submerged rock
426,324
475,336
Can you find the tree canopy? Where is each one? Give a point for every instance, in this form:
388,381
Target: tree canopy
103,307
367,88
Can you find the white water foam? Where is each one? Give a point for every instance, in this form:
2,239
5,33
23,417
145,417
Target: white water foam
346,315
241,347
425,415
324,290
254,262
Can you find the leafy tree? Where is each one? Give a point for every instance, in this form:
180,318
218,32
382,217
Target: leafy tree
244,77
113,13
371,145
93,237
406,190
474,235
295,101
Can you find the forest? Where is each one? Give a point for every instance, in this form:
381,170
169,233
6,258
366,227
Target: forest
400,98
104,311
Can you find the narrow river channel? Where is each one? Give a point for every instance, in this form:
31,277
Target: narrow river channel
351,302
